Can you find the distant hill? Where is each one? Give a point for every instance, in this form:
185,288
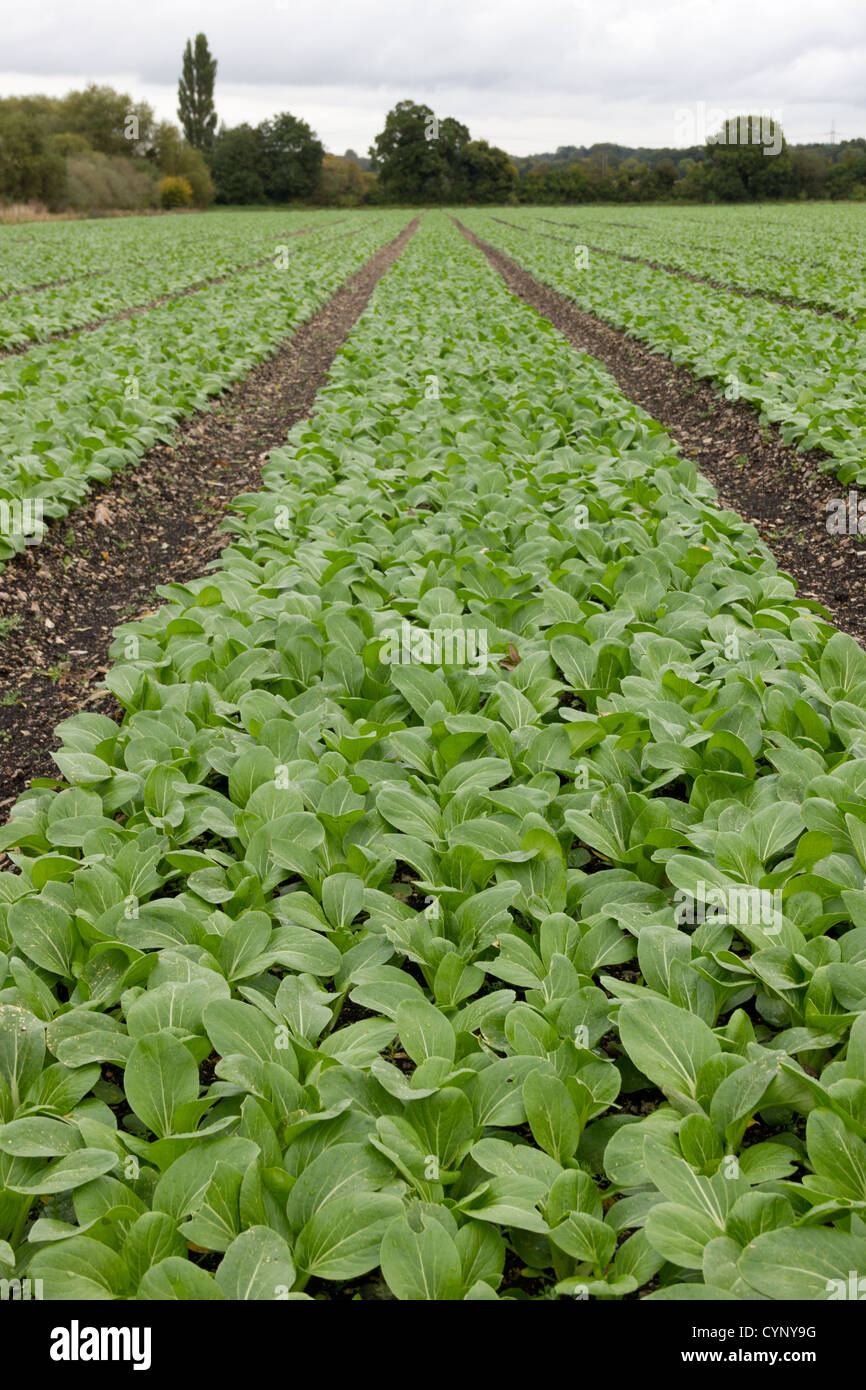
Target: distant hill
574,154
361,160
617,154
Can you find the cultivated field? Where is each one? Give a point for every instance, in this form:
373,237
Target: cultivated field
708,289
455,887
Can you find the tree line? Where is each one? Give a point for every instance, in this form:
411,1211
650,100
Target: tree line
97,149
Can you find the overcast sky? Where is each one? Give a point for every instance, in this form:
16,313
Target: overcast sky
528,75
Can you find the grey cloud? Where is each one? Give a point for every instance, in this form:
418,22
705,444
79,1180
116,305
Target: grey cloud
555,64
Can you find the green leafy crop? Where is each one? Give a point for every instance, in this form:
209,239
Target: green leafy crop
346,960
80,408
802,370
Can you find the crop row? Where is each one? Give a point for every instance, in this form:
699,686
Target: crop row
40,254
81,408
148,269
793,253
804,372
408,920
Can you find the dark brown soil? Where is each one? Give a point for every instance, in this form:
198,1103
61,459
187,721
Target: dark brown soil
775,487
152,524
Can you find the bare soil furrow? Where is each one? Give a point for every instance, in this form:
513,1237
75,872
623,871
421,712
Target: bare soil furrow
152,524
778,489
744,291
157,303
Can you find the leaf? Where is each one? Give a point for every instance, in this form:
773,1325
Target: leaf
443,1123
39,1136
482,1254
296,948
667,1044
807,1262
676,1179
424,1031
257,1265
359,1044
700,1142
421,1265
492,839
160,1076
552,1116
82,1036
152,1238
496,1092
80,1268
775,829
22,1049
507,1202
234,1027
585,1238
692,1293
842,664
410,813
740,1093
182,1187
337,1171
680,1234
67,1173
44,933
177,1280
342,899
216,1220
834,1152
242,945
503,1159
342,1238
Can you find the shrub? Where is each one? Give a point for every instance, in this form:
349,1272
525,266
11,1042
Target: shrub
341,182
30,169
234,166
32,211
176,158
69,143
98,182
175,192
193,170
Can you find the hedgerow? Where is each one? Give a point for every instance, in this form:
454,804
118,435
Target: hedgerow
539,975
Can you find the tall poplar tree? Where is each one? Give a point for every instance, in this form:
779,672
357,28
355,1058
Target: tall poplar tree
195,94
